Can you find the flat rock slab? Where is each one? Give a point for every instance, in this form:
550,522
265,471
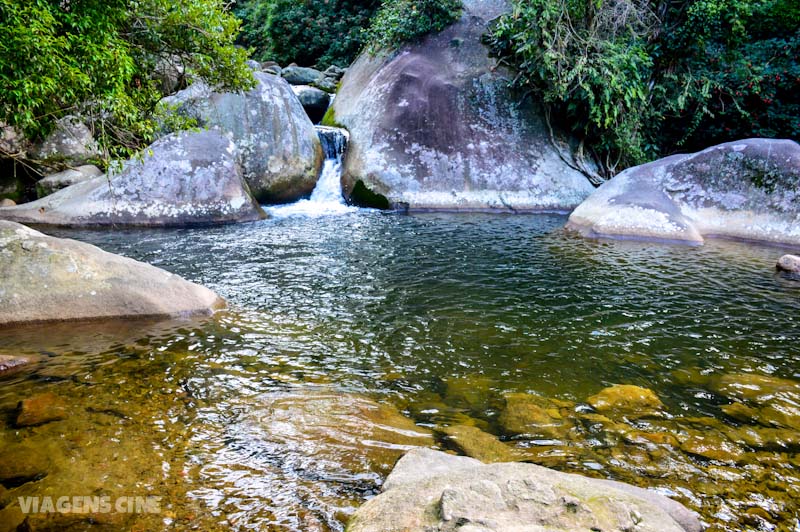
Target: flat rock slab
743,190
188,178
54,279
41,409
432,491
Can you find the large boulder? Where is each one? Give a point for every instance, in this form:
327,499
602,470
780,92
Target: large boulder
431,490
190,178
745,190
435,126
314,101
280,152
54,279
70,142
53,182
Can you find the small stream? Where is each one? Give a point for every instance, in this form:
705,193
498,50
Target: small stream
438,317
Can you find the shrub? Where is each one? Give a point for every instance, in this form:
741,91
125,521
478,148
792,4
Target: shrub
401,21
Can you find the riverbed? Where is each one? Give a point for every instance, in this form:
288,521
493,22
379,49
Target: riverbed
440,316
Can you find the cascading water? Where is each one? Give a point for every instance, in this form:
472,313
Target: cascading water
326,199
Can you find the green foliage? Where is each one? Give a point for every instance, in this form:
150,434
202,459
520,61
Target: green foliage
401,21
639,79
312,32
96,58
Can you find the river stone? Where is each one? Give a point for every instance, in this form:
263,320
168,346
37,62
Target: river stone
70,142
713,447
21,463
40,409
188,178
314,101
300,75
12,363
432,491
54,279
478,444
436,126
626,400
789,263
532,416
339,434
746,190
280,152
54,182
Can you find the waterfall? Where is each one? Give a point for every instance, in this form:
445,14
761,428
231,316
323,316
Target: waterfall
326,199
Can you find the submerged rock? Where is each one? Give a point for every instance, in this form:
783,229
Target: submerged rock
189,178
478,444
54,182
532,416
789,263
430,490
746,190
626,400
40,409
713,447
54,279
20,463
435,126
280,152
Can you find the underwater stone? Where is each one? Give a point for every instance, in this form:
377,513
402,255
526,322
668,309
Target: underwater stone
628,400
40,409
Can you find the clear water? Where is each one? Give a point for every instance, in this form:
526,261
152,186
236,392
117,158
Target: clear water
437,315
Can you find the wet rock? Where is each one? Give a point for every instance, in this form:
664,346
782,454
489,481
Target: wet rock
478,444
337,434
655,438
627,400
12,363
300,75
757,389
437,127
76,522
54,279
472,392
6,202
429,490
789,263
746,189
70,142
40,409
315,101
280,152
20,463
188,178
532,416
54,182
11,517
764,438
713,447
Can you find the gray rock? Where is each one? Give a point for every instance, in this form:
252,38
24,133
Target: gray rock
12,141
432,491
335,72
326,83
300,75
745,190
254,65
314,101
170,73
437,127
54,182
71,142
271,67
54,279
189,178
280,152
789,263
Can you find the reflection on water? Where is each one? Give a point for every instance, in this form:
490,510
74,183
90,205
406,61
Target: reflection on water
439,316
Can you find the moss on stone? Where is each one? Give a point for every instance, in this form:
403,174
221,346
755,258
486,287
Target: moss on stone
329,119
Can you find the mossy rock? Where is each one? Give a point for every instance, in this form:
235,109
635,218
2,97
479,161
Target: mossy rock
627,400
364,197
533,416
478,444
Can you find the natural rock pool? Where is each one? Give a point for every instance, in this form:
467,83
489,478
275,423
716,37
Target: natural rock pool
283,413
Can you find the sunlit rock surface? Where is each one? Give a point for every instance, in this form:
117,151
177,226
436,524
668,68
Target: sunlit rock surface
747,190
430,490
280,152
434,126
190,178
53,279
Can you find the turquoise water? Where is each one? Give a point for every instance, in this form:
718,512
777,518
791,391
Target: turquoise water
437,315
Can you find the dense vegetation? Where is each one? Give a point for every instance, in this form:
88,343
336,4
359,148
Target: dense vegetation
97,58
312,32
400,21
637,79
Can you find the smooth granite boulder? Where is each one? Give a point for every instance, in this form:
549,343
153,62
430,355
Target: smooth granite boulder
55,279
280,153
53,182
190,178
435,126
432,491
744,190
